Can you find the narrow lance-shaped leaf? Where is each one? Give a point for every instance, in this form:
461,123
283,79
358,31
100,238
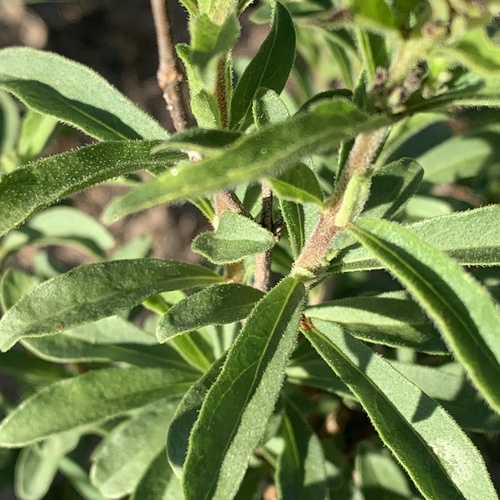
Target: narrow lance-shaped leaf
268,69
478,245
268,151
437,454
92,292
214,305
301,470
237,407
185,417
459,305
82,401
236,237
125,454
41,183
60,226
74,94
390,318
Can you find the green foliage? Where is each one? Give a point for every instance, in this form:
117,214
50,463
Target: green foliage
287,357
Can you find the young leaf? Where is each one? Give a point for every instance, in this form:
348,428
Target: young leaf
236,237
123,457
80,402
91,292
460,306
159,482
301,467
237,407
268,69
74,94
43,182
391,319
267,151
421,435
479,245
214,305
298,184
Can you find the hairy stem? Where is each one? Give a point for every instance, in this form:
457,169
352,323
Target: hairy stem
169,74
350,194
262,273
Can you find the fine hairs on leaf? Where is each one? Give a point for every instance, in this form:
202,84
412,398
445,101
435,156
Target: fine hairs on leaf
317,317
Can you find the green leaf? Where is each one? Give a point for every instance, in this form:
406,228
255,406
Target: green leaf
404,130
301,467
436,453
159,482
185,417
235,412
479,245
375,14
460,306
201,140
449,386
462,156
41,183
392,187
37,465
13,285
476,51
123,457
268,107
379,475
236,237
9,124
74,94
214,305
64,348
35,132
210,39
92,292
269,68
265,152
60,226
80,402
298,184
391,319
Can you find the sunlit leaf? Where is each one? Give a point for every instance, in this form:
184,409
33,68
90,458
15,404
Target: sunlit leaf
74,94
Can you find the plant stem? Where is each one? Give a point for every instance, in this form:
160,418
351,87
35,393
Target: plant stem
169,74
350,194
262,273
